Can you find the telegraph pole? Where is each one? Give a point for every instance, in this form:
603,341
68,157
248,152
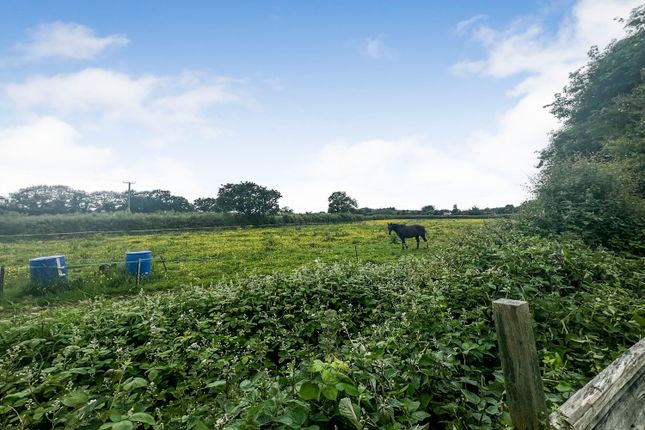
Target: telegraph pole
129,193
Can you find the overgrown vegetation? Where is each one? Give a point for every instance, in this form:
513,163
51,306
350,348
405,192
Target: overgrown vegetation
592,181
323,345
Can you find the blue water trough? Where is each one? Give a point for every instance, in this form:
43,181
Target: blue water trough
48,270
138,263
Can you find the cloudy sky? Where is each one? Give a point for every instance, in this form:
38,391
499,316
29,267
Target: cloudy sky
398,103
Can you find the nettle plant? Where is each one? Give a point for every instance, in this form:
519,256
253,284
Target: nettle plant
409,344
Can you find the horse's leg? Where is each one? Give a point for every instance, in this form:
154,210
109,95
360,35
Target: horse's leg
417,238
403,244
425,239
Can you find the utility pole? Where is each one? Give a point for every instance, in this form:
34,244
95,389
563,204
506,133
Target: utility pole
129,193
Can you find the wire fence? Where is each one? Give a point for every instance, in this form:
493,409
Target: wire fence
162,230
99,275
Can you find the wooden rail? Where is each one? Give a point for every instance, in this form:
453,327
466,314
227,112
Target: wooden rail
613,400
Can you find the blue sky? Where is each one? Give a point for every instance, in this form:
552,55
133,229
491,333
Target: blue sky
399,103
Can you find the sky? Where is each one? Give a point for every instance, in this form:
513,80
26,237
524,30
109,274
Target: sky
397,103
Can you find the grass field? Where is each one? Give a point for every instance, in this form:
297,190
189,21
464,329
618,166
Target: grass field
203,258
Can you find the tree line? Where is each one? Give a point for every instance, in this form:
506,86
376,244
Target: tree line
246,198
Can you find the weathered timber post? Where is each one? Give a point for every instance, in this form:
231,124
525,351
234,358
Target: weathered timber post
613,400
1,281
524,390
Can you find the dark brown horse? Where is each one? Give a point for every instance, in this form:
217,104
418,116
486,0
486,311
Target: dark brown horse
406,231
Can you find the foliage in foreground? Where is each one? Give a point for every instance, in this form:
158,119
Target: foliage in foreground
409,344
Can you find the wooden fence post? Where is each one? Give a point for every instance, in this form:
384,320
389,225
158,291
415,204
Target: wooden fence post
1,281
522,378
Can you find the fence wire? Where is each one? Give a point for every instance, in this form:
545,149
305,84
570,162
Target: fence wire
172,229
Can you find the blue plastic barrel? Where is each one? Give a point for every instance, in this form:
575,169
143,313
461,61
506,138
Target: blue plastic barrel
47,270
138,262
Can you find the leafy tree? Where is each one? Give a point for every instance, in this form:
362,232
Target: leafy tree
455,210
592,177
339,201
429,209
4,204
206,204
473,211
248,198
157,201
106,201
49,199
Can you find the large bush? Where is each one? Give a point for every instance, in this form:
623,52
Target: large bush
592,180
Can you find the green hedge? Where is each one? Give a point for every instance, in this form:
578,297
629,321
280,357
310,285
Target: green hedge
13,224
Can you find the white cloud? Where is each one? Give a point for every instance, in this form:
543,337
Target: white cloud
468,23
81,91
544,61
66,40
406,173
166,107
46,151
375,48
68,122
50,151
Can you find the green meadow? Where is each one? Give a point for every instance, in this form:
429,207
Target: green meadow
208,257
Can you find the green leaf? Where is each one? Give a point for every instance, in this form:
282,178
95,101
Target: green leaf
639,319
492,410
286,420
200,425
142,417
123,425
411,405
564,387
19,394
38,414
115,415
317,366
153,374
329,376
420,415
329,391
75,399
351,412
348,388
309,391
134,383
216,384
471,397
294,418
